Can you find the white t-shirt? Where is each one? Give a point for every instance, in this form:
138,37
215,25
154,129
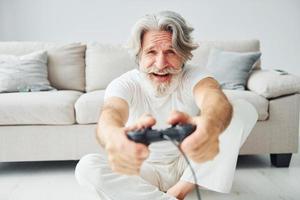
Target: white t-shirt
140,100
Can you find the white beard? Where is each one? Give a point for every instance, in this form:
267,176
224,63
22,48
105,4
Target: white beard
160,89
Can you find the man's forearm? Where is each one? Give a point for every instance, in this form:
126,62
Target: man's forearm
110,117
216,108
113,117
109,120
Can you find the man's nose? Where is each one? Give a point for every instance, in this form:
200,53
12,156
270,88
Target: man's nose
161,61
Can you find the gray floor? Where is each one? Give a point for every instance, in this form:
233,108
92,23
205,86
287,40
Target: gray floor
254,179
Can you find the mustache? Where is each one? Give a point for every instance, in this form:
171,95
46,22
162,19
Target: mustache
167,70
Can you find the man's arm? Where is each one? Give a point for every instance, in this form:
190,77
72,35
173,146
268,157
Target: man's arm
124,156
216,112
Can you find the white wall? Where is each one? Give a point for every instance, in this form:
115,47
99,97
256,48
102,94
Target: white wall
275,22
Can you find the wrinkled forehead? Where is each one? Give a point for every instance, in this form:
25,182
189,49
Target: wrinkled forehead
157,39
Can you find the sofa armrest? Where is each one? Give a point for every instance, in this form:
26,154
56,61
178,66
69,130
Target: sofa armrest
270,84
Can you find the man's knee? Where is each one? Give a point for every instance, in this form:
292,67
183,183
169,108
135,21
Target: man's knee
245,116
89,169
244,111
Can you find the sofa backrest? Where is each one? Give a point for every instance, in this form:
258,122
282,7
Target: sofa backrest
202,52
93,66
66,62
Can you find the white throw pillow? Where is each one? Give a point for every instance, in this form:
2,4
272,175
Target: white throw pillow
24,73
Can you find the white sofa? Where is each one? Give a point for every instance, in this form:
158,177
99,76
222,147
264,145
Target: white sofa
60,125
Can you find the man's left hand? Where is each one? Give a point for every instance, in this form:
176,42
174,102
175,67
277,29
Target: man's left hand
203,144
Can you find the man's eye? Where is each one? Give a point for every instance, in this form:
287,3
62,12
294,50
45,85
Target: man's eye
151,52
171,52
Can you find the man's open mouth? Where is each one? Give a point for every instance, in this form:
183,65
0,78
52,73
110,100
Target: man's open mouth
161,77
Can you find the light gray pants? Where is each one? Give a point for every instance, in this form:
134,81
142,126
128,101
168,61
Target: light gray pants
157,176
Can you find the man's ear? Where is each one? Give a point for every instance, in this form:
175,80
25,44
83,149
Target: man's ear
138,59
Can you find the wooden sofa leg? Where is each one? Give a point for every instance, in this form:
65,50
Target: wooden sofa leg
281,160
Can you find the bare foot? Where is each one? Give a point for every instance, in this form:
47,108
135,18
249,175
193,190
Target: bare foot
181,189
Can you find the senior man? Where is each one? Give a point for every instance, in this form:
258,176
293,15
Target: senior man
162,92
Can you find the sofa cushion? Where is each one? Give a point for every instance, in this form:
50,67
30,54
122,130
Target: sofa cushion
66,67
51,107
66,63
88,107
270,84
201,54
105,63
260,103
231,69
25,72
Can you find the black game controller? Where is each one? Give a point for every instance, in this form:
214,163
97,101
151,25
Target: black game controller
148,135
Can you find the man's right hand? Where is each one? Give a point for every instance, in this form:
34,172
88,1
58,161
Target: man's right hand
125,156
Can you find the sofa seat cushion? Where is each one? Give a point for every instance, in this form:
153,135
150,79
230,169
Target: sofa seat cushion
260,103
51,107
88,107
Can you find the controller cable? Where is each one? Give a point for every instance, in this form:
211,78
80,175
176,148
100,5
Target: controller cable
187,161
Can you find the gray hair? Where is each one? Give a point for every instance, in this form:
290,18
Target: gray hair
164,21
